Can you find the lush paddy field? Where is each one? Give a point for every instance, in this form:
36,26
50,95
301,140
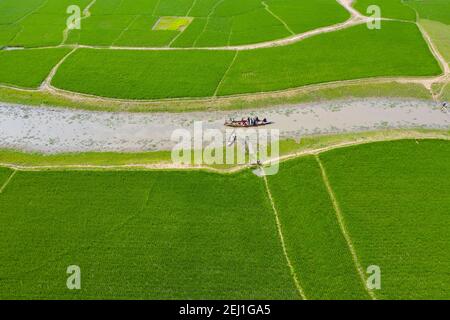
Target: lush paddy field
131,22
397,212
393,9
144,74
169,74
398,49
34,23
4,174
28,68
141,234
312,232
436,10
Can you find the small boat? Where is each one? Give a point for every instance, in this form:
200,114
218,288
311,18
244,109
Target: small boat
245,124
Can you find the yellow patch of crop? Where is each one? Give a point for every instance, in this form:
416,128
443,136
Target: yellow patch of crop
172,23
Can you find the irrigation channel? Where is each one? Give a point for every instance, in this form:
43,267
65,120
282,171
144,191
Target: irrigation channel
56,130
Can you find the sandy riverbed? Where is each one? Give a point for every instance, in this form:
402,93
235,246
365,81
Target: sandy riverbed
53,130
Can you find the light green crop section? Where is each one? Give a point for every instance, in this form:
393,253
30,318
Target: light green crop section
198,235
313,238
136,235
392,199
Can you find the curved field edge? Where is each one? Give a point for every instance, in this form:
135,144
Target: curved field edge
397,49
161,160
62,98
375,229
364,88
437,10
392,9
130,23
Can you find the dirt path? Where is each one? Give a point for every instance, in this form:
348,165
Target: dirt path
344,231
428,83
86,14
55,130
348,5
3,187
300,289
439,57
238,168
45,86
355,19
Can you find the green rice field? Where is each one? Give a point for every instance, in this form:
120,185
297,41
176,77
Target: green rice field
192,234
28,75
166,74
130,22
151,49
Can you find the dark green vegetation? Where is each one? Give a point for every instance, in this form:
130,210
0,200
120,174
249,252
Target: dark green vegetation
4,175
394,9
141,234
437,10
166,74
144,75
397,50
28,68
251,21
34,23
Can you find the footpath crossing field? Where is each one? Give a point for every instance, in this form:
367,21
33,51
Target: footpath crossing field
150,49
191,234
32,23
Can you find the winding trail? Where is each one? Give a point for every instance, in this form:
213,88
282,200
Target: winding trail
46,85
86,14
445,77
356,18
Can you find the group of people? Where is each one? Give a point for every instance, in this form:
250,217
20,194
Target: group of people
251,121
